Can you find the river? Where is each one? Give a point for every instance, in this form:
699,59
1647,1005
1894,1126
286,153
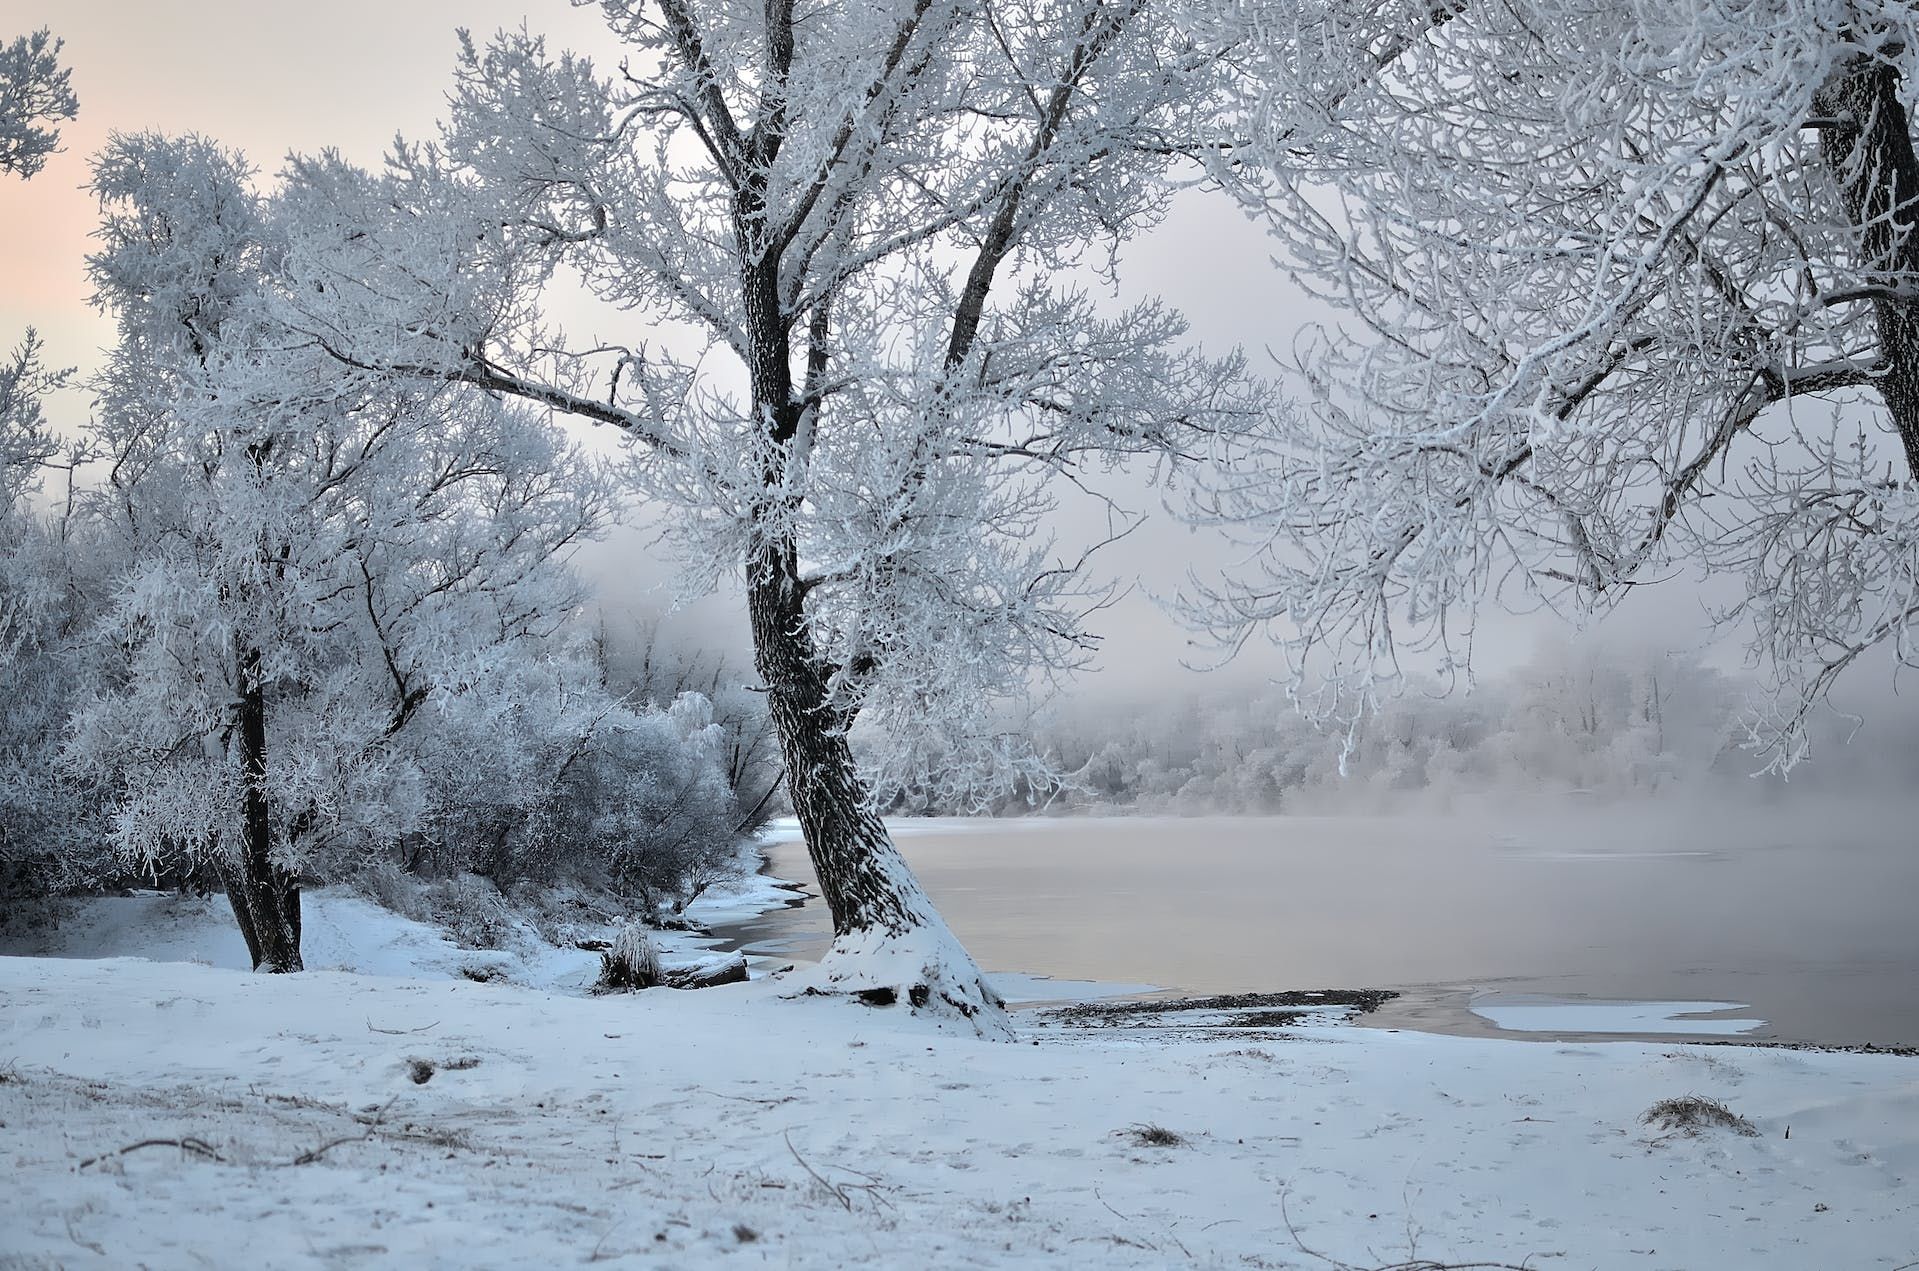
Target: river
1771,923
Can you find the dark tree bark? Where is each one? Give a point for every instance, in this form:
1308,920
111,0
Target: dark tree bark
1869,150
865,882
265,897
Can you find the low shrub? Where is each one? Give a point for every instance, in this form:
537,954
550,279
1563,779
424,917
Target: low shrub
632,963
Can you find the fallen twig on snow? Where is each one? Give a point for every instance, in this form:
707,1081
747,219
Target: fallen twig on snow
372,1128
401,1032
840,1191
1139,1244
745,1098
1413,1261
197,1147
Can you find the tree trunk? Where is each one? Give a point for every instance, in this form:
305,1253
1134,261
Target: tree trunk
850,847
1870,153
265,897
889,942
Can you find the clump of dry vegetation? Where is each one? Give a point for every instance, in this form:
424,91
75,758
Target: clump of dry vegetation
632,963
1149,1135
1695,1114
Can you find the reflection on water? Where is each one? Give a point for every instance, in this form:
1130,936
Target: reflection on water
1805,916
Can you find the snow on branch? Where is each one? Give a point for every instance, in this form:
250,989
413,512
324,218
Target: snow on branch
1604,295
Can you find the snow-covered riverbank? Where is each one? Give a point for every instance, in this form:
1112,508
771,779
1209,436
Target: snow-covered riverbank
343,931
730,1126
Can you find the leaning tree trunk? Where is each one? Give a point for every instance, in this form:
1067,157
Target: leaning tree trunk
1868,147
265,897
889,942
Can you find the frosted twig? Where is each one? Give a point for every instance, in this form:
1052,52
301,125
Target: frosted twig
189,1144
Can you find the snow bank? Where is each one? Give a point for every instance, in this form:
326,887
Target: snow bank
342,931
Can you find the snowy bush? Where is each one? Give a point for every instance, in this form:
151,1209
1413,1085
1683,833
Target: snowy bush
632,963
540,775
1692,1115
45,819
645,669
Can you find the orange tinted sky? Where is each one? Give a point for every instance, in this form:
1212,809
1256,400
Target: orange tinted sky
265,77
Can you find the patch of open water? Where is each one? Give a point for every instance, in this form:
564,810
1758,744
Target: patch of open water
1760,923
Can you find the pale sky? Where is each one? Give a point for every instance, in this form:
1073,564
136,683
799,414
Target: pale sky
268,77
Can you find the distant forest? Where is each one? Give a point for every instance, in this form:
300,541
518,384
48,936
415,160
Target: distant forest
1603,722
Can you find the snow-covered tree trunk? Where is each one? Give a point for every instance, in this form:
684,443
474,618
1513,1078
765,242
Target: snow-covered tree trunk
265,897
889,942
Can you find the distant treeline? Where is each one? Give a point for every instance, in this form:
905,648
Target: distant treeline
1602,721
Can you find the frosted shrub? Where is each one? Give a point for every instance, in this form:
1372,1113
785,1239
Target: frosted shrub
542,776
662,811
472,910
632,963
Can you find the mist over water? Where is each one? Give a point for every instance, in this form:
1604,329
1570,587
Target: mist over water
1800,910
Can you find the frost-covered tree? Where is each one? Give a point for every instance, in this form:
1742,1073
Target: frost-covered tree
314,555
26,443
38,815
50,576
35,98
868,224
1625,288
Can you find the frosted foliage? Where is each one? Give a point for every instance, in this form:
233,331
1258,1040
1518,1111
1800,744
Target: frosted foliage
537,773
35,98
346,548
25,441
855,254
41,816
49,830
1624,288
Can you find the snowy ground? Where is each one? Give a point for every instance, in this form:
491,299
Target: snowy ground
732,1127
735,1126
341,931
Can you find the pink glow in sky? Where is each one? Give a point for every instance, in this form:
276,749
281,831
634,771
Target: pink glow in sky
263,76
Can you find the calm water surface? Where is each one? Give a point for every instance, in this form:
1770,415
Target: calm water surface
1808,918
